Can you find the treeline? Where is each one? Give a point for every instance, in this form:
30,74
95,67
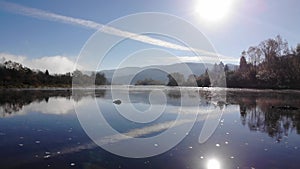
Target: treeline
270,64
15,75
177,79
149,81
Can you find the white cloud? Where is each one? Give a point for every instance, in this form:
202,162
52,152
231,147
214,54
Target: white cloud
207,59
54,64
37,13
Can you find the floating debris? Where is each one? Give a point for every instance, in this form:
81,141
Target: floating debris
232,157
285,107
72,164
37,142
118,102
217,145
156,145
21,145
190,147
226,142
201,157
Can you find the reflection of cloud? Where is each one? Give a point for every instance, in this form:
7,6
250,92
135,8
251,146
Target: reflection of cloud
58,105
54,64
53,106
128,135
37,13
134,133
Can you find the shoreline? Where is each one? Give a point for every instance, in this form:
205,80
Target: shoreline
149,87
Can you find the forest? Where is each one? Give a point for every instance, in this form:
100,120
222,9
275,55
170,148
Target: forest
271,64
15,75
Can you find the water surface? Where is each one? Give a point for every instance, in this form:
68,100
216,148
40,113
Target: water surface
258,129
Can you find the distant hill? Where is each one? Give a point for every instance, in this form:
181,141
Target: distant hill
157,72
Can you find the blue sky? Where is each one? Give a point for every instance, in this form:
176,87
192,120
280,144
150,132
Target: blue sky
49,44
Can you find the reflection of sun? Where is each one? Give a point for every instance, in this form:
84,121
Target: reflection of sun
213,10
213,164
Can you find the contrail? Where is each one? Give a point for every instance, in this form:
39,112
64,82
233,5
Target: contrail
41,14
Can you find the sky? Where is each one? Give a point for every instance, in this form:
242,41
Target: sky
50,34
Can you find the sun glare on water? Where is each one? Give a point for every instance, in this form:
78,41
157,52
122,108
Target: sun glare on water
213,10
213,164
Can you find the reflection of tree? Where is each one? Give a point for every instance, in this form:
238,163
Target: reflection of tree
77,95
270,113
12,101
174,94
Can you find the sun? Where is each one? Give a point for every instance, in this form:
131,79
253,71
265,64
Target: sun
213,10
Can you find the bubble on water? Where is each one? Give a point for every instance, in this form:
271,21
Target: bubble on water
47,156
217,145
156,145
226,142
227,133
190,147
72,164
201,157
232,157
